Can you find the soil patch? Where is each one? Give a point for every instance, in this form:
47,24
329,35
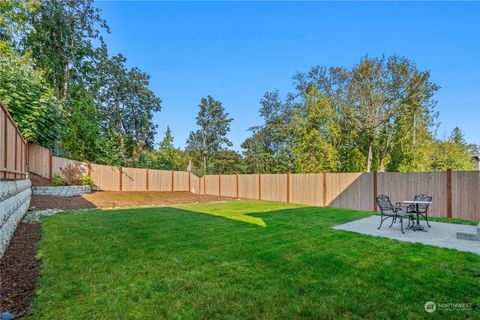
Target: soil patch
58,202
38,181
19,270
110,199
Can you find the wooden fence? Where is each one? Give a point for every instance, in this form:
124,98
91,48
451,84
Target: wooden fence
455,193
13,148
113,178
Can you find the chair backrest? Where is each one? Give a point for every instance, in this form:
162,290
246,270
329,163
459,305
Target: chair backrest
423,197
384,203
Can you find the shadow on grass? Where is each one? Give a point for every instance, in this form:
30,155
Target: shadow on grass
258,213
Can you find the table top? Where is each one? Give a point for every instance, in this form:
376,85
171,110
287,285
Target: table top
416,202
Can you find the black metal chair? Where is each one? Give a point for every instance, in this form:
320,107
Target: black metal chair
422,208
388,210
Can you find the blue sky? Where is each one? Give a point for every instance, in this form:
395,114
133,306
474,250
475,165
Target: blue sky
235,51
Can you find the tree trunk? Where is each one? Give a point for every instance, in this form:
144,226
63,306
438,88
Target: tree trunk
369,158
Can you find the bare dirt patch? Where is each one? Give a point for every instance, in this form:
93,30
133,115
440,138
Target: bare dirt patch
38,181
110,199
58,202
19,270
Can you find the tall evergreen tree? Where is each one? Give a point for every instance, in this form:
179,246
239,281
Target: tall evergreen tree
168,157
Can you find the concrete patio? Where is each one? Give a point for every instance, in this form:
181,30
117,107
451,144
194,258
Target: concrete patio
441,234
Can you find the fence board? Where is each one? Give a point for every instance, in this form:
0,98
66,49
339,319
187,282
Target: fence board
307,188
12,148
195,184
134,179
465,194
350,190
211,184
274,187
39,160
405,185
248,186
159,180
229,185
180,181
105,177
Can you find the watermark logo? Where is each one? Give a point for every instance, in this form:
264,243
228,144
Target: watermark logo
430,306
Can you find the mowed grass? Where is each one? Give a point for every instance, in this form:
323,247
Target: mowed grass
241,260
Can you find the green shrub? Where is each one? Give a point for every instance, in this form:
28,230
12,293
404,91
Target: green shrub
57,180
87,181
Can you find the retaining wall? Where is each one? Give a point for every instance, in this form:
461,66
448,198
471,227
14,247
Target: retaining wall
14,202
64,191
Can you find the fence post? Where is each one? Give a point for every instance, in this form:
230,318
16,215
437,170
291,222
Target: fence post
189,181
325,189
120,178
27,161
173,180
288,187
219,185
146,178
259,186
237,185
50,164
15,155
5,142
449,193
89,172
204,183
375,190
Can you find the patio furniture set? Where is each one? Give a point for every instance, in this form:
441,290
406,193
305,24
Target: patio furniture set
408,209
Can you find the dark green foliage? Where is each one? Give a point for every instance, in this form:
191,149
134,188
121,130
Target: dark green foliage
168,157
227,162
378,115
211,137
30,101
71,95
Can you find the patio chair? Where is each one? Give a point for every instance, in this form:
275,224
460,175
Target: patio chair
388,210
422,208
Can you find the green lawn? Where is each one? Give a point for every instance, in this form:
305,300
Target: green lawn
241,260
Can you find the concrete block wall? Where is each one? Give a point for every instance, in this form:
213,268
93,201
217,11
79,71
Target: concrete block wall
65,191
14,202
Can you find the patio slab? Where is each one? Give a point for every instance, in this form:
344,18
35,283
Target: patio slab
441,234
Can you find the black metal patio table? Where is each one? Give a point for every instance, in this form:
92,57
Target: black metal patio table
416,225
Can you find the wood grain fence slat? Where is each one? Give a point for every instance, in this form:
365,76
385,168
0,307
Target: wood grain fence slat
12,146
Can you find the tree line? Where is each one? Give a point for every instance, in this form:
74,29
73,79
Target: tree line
67,93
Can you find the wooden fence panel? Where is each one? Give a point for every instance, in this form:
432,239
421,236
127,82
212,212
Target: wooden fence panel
202,185
274,187
307,188
159,180
211,184
248,186
405,185
134,179
106,178
195,186
39,160
13,148
228,185
465,195
180,181
349,190
59,163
